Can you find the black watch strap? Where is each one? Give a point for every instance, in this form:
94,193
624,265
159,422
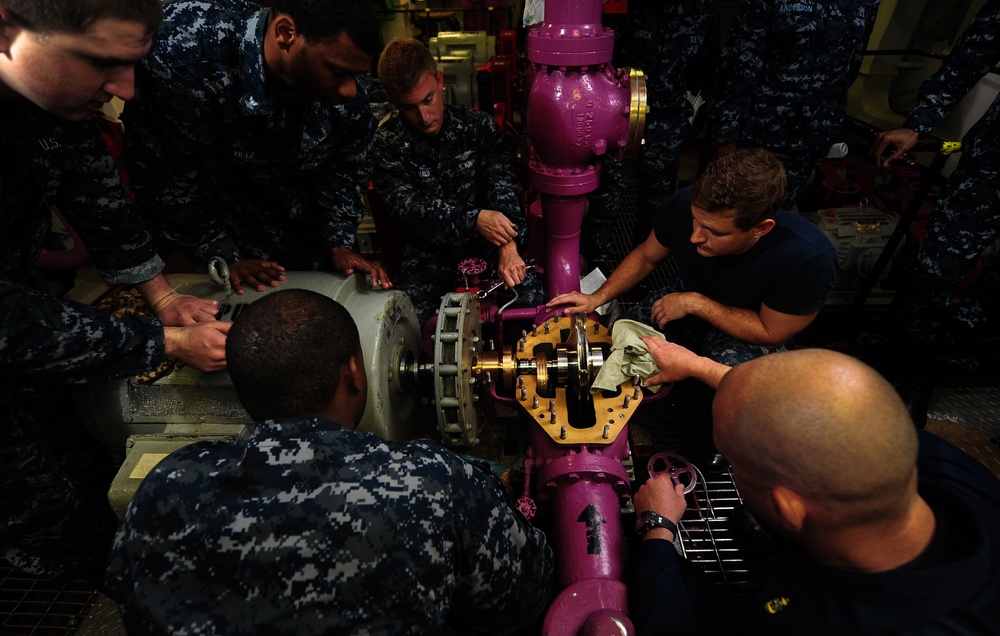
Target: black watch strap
647,520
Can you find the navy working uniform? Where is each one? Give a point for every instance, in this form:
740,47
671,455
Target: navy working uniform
951,588
791,269
783,77
307,528
225,167
667,40
54,514
434,189
968,218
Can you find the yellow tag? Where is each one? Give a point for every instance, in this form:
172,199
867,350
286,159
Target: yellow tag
146,464
775,605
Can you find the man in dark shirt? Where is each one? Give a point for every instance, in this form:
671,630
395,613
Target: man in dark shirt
749,278
893,531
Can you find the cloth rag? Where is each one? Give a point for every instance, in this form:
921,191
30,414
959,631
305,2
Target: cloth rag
629,357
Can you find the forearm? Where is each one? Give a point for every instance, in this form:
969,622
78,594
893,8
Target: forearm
339,208
47,337
973,56
338,195
155,290
708,371
744,325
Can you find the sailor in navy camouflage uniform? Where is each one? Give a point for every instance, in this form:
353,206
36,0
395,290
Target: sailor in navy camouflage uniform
444,173
54,515
311,527
967,220
247,143
667,40
783,77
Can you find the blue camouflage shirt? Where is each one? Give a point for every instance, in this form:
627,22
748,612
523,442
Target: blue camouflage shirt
974,55
434,187
309,528
223,164
784,72
47,162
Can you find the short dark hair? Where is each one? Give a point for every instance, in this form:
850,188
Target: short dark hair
324,20
285,353
76,16
403,64
750,181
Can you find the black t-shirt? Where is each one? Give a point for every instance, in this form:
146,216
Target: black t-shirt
791,269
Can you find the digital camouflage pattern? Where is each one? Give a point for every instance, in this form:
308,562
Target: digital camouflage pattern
50,162
672,43
54,515
783,77
434,188
224,167
308,528
967,220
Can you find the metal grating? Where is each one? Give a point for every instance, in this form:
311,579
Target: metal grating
623,240
681,422
103,619
972,406
38,607
706,537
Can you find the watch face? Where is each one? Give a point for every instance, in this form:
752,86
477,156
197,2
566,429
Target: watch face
648,520
644,522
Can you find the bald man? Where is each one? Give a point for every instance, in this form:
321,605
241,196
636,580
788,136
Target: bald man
894,531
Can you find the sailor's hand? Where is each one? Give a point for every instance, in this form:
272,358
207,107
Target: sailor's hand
511,266
176,310
672,307
673,361
661,495
897,141
347,262
256,274
495,227
201,345
573,303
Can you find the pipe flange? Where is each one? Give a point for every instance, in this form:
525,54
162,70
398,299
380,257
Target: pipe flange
638,109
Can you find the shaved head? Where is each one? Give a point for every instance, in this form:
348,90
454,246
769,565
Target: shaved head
822,424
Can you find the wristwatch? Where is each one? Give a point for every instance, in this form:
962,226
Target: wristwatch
647,520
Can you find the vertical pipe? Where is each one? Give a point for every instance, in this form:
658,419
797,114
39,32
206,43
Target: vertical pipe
563,219
574,12
590,544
